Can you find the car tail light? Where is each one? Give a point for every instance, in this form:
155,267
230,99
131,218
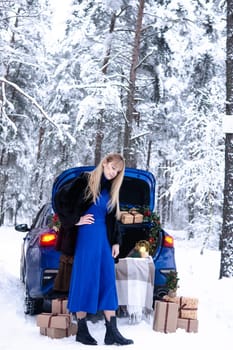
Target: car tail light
168,241
48,239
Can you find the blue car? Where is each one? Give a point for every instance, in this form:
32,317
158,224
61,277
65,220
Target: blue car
39,260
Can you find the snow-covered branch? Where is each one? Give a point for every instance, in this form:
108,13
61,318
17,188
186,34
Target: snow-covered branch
32,100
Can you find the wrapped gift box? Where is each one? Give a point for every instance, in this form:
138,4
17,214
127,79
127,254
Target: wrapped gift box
59,306
187,306
137,218
188,324
127,218
58,332
165,316
131,217
50,320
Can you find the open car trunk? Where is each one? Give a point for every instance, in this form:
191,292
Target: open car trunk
137,191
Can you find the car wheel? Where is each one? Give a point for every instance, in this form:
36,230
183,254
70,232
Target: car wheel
22,271
160,293
32,306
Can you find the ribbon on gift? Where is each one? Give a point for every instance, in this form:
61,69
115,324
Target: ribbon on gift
62,307
67,318
189,324
45,331
182,307
136,215
166,317
50,318
133,216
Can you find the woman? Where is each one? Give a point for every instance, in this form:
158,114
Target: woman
91,203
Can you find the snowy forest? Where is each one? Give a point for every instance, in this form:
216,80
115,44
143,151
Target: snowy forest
145,78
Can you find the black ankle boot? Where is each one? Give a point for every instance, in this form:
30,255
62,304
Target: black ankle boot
83,336
113,336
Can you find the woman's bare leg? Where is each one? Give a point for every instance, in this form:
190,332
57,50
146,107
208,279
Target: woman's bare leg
81,314
109,313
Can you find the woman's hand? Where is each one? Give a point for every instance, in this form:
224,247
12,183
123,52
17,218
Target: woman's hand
115,250
86,220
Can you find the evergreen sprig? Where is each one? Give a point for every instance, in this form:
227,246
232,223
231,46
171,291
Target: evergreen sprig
155,227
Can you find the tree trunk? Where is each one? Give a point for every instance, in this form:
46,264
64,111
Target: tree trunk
148,155
129,144
4,163
226,243
99,131
98,139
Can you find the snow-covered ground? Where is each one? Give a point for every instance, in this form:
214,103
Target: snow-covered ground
199,278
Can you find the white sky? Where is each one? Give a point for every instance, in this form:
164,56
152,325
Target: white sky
61,10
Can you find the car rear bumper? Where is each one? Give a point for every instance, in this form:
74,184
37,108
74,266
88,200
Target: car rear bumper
41,272
41,285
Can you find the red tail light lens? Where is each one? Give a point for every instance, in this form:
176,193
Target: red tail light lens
48,239
168,242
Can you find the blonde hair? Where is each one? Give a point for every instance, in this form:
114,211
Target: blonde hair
94,180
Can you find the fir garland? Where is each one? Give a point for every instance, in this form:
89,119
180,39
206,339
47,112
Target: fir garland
155,228
54,222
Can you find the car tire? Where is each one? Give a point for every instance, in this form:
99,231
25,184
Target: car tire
32,306
159,293
22,272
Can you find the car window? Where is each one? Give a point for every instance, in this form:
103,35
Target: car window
47,215
37,220
43,216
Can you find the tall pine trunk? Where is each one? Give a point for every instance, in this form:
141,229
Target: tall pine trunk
129,144
226,243
99,131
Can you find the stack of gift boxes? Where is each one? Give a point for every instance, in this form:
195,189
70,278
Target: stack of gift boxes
59,323
131,217
178,312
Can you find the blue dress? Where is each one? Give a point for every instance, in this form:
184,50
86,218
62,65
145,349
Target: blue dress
93,283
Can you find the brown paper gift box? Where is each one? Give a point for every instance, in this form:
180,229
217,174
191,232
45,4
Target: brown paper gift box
49,320
59,306
188,324
165,317
187,306
131,217
137,218
58,332
127,218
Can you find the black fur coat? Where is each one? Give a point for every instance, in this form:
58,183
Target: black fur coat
70,206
